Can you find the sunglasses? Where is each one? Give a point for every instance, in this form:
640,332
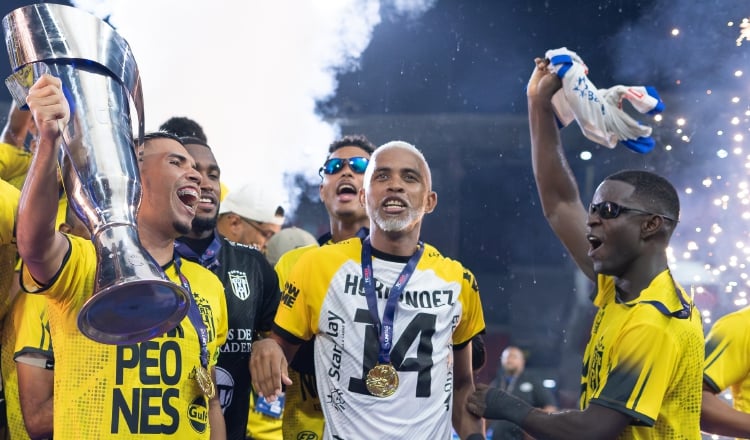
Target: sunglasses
610,210
267,234
336,164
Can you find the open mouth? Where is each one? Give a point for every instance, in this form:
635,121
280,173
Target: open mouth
189,197
346,188
207,200
394,204
594,242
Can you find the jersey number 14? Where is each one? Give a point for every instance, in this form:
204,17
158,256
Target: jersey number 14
420,329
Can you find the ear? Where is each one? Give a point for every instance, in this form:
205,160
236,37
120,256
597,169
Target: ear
234,219
432,200
64,227
651,226
362,197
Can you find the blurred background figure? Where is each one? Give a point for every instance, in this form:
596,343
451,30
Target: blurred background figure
251,215
26,358
286,240
15,157
513,378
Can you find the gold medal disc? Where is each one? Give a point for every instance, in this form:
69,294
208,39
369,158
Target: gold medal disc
205,382
382,380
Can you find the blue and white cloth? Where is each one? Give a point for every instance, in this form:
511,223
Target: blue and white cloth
599,111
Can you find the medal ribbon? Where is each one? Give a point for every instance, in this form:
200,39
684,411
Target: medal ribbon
209,259
194,314
385,328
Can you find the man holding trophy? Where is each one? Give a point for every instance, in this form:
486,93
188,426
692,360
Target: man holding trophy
121,391
136,329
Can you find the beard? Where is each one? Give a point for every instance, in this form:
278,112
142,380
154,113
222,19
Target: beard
203,224
181,228
395,224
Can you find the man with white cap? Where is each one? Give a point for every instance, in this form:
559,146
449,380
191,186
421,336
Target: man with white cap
286,240
250,215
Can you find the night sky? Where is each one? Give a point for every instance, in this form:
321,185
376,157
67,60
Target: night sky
475,57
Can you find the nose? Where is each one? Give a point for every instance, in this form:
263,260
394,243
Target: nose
195,176
592,218
205,183
346,170
396,183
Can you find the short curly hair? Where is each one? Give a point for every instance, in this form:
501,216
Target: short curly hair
655,192
352,140
182,126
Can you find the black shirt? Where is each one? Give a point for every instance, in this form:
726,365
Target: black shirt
252,293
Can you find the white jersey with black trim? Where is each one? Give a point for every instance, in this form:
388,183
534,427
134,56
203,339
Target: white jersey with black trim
439,308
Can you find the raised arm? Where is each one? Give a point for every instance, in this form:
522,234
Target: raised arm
555,181
40,245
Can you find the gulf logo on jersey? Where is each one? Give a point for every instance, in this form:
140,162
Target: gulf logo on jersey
198,414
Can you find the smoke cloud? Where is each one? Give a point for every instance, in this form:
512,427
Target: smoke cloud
692,50
251,73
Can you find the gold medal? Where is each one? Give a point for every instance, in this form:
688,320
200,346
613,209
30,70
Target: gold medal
382,380
205,382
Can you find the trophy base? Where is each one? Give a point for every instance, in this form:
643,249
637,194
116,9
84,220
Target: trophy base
133,312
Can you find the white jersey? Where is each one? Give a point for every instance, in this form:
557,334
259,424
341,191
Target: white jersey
440,307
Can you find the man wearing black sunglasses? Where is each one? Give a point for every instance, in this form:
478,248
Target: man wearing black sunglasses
642,368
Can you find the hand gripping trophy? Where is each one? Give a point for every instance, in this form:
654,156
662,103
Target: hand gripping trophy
133,300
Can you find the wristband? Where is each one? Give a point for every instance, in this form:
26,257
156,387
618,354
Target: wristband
501,405
475,436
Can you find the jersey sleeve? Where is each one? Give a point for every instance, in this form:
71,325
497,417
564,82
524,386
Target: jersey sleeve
31,324
287,261
299,308
727,359
472,317
638,380
76,274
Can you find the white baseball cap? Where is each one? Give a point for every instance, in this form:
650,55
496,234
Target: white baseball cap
252,202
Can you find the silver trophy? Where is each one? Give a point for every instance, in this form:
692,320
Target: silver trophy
133,300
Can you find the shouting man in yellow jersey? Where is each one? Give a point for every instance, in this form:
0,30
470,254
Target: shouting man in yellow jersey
144,390
342,177
641,376
392,318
